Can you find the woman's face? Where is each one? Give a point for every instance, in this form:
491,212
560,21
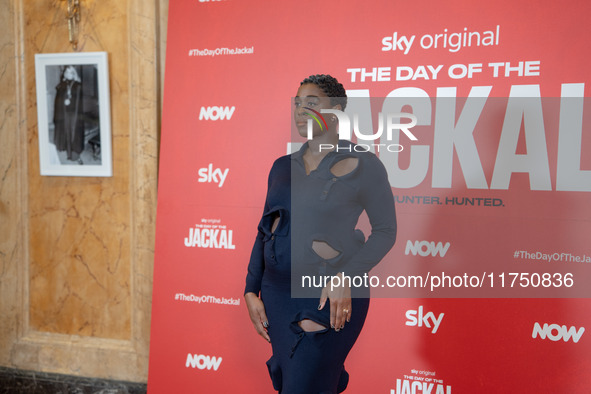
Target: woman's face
70,73
310,98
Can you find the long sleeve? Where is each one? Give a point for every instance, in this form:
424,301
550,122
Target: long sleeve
277,204
375,195
256,265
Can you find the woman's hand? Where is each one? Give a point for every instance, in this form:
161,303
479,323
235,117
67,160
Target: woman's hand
256,310
340,302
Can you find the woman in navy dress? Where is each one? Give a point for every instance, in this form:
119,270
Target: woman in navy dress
307,234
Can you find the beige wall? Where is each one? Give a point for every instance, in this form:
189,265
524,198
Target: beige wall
76,254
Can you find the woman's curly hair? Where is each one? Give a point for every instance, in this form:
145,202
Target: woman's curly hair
329,85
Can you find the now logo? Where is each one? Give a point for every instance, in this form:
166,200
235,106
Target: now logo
215,113
203,362
426,248
554,332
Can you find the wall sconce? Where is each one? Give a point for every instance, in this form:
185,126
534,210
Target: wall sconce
73,17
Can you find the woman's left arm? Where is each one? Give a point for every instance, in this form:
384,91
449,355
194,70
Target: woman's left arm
375,195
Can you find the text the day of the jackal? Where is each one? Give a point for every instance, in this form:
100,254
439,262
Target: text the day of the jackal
455,127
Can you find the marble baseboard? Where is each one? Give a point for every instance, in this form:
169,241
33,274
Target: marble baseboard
15,381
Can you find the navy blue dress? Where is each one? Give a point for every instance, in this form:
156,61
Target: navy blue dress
317,207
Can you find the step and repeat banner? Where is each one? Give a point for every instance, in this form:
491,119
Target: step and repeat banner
487,287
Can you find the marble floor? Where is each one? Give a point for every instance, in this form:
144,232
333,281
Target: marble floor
14,381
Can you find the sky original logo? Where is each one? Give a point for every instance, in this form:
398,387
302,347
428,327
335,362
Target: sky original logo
209,174
216,113
426,248
416,318
452,41
200,361
554,332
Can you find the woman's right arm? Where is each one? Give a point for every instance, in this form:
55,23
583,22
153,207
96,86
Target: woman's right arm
256,267
256,310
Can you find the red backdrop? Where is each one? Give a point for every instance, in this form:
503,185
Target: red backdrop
504,192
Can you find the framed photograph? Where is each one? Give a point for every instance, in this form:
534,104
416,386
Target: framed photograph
74,116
